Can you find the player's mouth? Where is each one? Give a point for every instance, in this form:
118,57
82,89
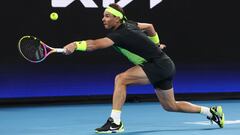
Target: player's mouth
104,24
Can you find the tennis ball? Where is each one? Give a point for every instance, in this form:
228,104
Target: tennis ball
54,16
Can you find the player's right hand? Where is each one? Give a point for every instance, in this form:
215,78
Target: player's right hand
70,48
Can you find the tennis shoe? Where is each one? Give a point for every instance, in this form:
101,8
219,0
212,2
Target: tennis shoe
110,127
218,115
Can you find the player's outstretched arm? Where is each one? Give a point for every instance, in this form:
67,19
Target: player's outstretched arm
88,45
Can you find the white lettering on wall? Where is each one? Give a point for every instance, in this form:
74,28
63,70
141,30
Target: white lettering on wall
92,4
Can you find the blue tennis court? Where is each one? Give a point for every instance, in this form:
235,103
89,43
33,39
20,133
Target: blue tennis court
139,119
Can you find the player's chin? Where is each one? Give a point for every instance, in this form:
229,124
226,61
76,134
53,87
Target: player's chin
106,27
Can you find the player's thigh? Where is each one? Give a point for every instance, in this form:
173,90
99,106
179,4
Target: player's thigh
135,75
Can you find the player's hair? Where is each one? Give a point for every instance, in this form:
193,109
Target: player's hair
120,9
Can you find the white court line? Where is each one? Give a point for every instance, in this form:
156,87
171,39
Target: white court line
208,122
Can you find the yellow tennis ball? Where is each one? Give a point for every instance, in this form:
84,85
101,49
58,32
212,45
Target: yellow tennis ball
54,16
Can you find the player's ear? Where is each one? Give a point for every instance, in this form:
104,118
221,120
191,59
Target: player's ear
118,19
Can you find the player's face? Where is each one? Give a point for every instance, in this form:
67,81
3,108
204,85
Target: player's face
110,21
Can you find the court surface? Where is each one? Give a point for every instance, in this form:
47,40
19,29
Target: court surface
146,118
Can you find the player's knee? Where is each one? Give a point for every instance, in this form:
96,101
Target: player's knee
121,79
170,108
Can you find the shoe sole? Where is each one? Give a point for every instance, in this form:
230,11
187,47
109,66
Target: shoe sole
121,129
110,131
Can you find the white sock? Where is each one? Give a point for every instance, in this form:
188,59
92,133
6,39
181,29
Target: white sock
206,111
116,115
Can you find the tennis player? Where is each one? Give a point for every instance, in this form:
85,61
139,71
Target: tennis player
152,66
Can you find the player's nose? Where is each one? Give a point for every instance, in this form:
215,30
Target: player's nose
103,19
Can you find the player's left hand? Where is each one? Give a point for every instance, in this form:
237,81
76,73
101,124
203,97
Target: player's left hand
162,46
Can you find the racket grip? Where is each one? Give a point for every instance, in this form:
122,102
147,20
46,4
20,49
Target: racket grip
60,50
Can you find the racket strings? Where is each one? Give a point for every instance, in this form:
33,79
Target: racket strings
32,49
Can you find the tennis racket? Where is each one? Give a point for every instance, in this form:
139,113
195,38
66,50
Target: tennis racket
34,50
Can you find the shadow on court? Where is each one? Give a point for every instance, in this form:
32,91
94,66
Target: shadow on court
162,131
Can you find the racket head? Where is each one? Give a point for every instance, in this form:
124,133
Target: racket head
32,49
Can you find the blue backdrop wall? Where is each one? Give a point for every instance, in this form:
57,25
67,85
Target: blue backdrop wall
201,38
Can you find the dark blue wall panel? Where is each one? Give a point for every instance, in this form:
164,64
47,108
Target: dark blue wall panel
199,36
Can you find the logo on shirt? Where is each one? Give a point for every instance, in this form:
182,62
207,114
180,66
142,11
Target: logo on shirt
105,3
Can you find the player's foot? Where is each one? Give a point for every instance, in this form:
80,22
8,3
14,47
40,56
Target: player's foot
218,115
110,127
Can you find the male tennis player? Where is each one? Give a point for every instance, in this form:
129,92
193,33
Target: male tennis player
152,65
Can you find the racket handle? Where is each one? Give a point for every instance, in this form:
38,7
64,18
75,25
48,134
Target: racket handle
59,50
